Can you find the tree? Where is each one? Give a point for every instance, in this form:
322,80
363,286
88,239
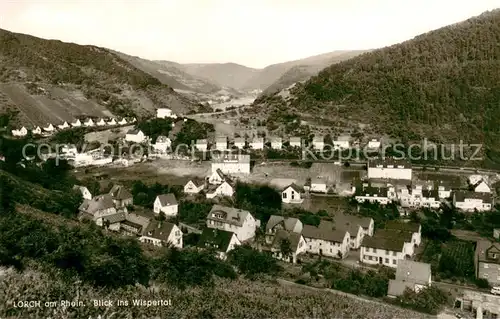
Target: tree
286,248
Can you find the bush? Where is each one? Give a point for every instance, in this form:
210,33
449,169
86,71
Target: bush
252,262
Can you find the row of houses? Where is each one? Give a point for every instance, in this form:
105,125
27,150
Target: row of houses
49,129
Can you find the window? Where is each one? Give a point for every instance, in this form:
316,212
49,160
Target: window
485,275
394,261
486,266
310,247
331,250
387,252
370,257
387,260
293,195
178,241
374,250
284,195
394,253
177,233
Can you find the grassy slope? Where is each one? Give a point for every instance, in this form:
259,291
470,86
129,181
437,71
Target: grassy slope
72,74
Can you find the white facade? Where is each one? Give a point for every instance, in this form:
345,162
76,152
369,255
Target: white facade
291,195
328,248
386,257
318,186
340,145
372,198
276,143
356,237
49,128
175,238
300,249
201,145
168,210
482,187
37,130
112,122
444,192
419,197
295,142
89,123
244,228
135,137
379,170
239,164
84,191
239,143
63,126
221,143
374,144
77,123
162,144
101,123
318,143
472,204
163,113
257,143
224,189
123,121
216,178
192,188
20,132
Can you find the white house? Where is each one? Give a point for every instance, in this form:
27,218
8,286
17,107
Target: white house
63,126
357,227
20,132
257,143
84,190
216,178
161,233
389,169
101,122
123,121
89,123
318,185
221,143
226,189
410,275
97,207
241,222
112,122
221,240
133,120
69,149
232,164
326,240
121,196
276,223
372,194
194,186
239,142
201,145
340,145
382,250
318,143
292,194
166,203
162,144
478,184
76,123
295,142
276,143
471,201
418,196
50,128
162,113
474,179
135,136
414,229
374,144
37,130
297,242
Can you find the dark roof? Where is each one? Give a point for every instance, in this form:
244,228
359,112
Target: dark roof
396,225
413,271
230,215
485,246
347,220
371,191
119,192
281,235
197,181
388,162
159,230
325,231
167,199
215,238
138,220
395,233
430,193
460,196
240,158
398,287
294,186
115,218
379,242
133,131
289,223
100,202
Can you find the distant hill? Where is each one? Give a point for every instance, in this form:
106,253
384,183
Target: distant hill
443,85
49,81
300,70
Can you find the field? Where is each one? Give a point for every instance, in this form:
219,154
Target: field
227,299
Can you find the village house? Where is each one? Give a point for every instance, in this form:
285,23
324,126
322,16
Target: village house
76,123
101,122
292,194
471,201
225,189
162,144
63,126
113,222
276,143
241,222
50,128
166,203
418,196
231,163
133,120
221,241
162,113
389,169
123,121
20,132
121,196
257,143
36,131
239,142
194,186
201,145
217,177
326,240
487,261
295,142
112,122
162,233
374,144
413,228
318,185
372,194
221,143
318,143
382,250
89,123
478,184
97,208
444,189
405,236
297,245
135,136
276,223
341,145
478,304
410,275
84,191
135,224
357,227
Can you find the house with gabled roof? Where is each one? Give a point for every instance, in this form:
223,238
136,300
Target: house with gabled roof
326,240
50,128
257,143
296,242
239,221
121,196
295,142
112,122
20,132
217,177
101,122
225,189
135,223
231,163
221,241
84,191
97,207
318,143
37,130
382,250
372,194
292,194
123,121
76,123
162,144
239,142
410,275
389,168
221,143
194,186
63,126
135,136
89,122
487,261
166,203
413,228
162,233
472,201
357,227
276,223
201,145
276,142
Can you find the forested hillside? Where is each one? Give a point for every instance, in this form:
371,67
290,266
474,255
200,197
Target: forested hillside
443,85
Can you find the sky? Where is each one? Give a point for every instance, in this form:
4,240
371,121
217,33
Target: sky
254,33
